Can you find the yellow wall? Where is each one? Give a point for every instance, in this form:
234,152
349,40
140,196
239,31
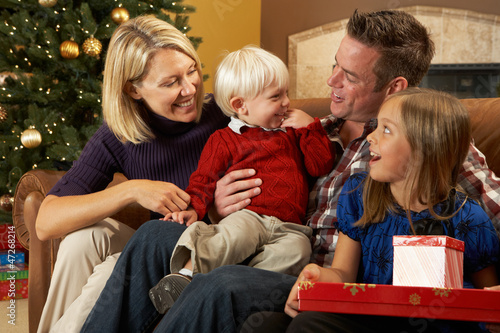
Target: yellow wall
223,25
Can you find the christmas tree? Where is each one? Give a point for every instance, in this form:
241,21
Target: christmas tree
51,68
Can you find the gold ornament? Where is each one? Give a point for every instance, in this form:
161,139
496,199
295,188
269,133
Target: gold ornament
69,49
6,202
92,47
31,138
47,3
3,114
120,15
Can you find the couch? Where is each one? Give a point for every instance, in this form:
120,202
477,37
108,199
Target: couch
34,185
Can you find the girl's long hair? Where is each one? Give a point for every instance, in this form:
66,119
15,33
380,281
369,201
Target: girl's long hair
438,129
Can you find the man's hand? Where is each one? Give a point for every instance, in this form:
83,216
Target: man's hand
234,192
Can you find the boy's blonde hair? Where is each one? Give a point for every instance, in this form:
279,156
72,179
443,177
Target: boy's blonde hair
131,48
437,127
246,73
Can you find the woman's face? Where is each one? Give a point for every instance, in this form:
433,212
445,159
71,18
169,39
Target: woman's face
170,87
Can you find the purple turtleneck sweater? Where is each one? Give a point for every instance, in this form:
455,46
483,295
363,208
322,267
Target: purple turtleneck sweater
171,157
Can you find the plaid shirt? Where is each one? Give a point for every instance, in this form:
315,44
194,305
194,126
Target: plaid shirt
476,179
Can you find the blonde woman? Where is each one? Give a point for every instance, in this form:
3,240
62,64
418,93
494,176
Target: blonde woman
156,122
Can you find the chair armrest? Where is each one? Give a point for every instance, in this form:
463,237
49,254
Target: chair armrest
30,192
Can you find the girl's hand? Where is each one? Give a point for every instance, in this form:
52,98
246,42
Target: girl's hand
160,197
234,192
344,269
311,272
297,119
493,328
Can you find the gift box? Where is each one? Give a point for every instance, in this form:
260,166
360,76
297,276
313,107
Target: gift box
8,239
13,281
428,261
11,257
13,289
412,302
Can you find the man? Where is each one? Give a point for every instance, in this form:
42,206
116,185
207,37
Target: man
383,52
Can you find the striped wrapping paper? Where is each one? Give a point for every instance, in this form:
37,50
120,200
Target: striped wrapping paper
428,261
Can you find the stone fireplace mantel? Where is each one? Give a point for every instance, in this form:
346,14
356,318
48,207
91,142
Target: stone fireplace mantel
460,36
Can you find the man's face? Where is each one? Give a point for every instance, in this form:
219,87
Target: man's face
352,82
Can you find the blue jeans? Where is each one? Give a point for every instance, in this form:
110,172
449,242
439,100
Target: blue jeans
219,301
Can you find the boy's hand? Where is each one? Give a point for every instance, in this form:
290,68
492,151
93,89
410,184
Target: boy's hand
187,217
296,118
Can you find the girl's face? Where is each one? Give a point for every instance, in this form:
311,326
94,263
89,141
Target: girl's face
267,109
170,87
389,148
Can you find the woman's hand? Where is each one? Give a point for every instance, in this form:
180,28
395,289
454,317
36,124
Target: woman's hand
311,272
160,197
59,216
234,192
297,119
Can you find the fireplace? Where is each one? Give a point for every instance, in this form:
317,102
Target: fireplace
465,80
466,64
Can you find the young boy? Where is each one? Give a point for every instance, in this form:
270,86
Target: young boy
284,146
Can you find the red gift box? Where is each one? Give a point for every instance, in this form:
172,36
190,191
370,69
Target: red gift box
411,302
8,239
11,256
428,261
14,289
13,281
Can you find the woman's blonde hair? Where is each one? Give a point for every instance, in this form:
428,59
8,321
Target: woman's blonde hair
131,48
438,129
246,73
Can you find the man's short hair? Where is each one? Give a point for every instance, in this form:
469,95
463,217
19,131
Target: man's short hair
403,42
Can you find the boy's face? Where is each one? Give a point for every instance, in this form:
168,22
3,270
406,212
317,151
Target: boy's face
267,109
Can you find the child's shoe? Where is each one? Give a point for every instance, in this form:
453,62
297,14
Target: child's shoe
166,292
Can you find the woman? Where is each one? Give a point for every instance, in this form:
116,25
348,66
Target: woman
156,122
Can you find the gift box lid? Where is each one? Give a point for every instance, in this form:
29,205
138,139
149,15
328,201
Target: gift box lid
14,271
387,300
443,241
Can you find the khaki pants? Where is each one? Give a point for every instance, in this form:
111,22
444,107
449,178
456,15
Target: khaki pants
85,260
274,245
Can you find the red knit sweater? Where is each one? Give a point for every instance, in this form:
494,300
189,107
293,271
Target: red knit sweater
282,160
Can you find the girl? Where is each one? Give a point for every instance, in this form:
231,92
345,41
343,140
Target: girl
417,150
